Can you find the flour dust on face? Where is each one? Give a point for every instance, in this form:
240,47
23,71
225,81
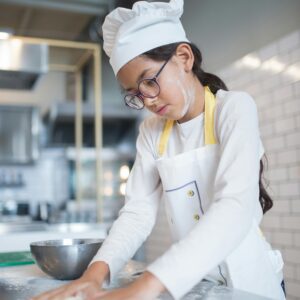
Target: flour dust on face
189,95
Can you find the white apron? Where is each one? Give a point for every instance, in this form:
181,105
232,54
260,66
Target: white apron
188,196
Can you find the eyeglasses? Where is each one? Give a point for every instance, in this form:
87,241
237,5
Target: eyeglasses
147,88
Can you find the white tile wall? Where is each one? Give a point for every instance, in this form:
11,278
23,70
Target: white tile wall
275,86
272,76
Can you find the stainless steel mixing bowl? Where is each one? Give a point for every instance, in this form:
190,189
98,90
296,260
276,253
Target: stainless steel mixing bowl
65,259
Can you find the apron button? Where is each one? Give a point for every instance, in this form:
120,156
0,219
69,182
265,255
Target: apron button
197,217
190,193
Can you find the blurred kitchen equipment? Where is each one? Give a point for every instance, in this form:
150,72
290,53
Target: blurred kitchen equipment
116,166
8,259
21,63
19,143
119,125
44,211
65,259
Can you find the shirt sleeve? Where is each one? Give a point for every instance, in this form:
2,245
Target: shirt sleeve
137,218
236,189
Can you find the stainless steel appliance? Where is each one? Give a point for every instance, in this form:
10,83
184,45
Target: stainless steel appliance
19,134
116,168
21,63
120,125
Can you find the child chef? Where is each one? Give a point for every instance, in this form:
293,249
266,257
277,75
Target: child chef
200,153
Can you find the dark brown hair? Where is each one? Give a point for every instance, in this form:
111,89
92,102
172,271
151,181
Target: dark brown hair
215,83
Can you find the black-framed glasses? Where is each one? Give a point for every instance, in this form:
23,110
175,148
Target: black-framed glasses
147,88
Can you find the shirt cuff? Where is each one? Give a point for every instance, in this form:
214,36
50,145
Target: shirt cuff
175,289
114,266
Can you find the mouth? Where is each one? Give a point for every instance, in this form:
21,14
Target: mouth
162,110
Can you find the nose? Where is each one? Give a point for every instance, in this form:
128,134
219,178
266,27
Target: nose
150,101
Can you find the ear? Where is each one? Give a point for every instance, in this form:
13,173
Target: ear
185,57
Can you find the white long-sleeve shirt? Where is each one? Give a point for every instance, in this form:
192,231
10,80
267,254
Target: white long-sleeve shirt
220,230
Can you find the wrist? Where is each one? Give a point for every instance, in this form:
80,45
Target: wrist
96,272
148,284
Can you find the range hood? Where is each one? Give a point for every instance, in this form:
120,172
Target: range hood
65,111
21,64
119,125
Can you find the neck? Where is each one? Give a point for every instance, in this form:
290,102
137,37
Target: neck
197,106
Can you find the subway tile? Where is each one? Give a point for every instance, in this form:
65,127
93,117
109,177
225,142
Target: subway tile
273,112
296,89
298,273
274,143
293,139
289,42
253,89
282,93
294,172
289,270
278,174
290,222
283,238
297,238
268,51
293,289
288,156
272,159
289,189
288,124
295,55
291,74
271,82
291,107
295,205
271,222
292,255
280,206
266,130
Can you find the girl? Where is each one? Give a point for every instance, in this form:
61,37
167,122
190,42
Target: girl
200,153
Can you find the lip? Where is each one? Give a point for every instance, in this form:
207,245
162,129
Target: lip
161,111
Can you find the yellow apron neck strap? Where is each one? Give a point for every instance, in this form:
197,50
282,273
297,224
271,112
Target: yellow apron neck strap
209,136
209,117
164,138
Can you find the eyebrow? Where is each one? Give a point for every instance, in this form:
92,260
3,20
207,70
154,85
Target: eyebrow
137,80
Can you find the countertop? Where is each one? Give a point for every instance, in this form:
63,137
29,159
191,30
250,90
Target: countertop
22,282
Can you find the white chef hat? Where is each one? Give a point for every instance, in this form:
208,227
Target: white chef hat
128,33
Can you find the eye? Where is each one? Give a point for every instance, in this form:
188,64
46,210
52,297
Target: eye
149,83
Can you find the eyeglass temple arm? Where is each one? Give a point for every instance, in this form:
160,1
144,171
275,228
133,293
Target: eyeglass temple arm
162,67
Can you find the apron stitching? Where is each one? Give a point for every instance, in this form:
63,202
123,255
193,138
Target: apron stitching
194,181
180,187
199,198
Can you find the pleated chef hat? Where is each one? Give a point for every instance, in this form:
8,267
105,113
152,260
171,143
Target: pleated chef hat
128,33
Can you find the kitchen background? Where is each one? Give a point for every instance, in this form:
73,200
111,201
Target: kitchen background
253,46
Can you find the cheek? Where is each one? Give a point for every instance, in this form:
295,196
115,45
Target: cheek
173,92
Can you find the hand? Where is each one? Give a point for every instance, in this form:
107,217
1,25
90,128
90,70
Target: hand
84,287
88,285
146,287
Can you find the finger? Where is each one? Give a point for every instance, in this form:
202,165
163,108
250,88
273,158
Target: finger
65,290
70,291
99,295
47,294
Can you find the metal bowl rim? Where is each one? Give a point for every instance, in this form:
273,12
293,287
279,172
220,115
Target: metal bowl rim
47,243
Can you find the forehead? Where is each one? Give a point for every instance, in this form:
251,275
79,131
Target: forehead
130,72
